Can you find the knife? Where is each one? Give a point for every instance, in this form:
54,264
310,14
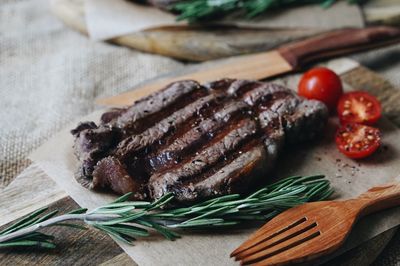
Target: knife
287,58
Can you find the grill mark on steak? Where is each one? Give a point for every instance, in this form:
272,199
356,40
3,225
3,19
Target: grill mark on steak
219,85
226,180
189,142
244,146
265,93
129,146
133,150
193,122
149,111
235,88
240,87
223,144
204,141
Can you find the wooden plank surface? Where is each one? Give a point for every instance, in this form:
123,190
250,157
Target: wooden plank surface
92,247
74,247
26,194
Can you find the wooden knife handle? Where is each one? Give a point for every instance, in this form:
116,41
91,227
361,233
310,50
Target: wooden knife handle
337,43
379,198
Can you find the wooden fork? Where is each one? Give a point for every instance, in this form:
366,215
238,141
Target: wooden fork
313,229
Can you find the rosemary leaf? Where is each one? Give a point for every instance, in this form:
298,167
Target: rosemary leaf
78,211
24,220
168,234
123,198
216,211
46,216
136,204
24,243
115,210
36,236
114,234
130,230
161,201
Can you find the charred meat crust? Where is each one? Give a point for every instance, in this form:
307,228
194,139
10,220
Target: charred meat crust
195,141
93,143
110,173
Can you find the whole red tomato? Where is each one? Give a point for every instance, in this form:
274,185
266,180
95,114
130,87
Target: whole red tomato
321,84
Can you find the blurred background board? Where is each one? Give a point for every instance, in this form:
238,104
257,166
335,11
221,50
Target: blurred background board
205,43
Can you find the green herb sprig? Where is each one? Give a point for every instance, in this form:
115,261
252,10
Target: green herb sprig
127,220
201,10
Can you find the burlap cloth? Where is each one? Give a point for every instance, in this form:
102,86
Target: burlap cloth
50,75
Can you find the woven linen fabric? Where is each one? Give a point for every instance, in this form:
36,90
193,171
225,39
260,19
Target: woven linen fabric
50,75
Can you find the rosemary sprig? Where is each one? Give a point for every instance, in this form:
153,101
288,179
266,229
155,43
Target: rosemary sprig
201,10
127,220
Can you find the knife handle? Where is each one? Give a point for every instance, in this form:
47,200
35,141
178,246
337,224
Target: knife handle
337,43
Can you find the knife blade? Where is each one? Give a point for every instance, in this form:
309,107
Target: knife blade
287,58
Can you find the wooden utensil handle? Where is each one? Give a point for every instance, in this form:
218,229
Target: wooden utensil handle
379,198
337,43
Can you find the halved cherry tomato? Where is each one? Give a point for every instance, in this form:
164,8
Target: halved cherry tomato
321,84
359,107
357,141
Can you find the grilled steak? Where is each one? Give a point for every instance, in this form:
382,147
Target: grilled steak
194,141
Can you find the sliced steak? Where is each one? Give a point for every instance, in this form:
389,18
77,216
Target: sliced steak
226,142
131,145
196,136
150,110
235,177
195,141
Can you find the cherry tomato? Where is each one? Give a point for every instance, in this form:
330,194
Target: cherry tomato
321,84
357,141
359,107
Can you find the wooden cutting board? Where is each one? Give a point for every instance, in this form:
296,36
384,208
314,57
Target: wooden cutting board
33,189
206,43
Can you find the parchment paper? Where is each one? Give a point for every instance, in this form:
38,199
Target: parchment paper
348,177
106,19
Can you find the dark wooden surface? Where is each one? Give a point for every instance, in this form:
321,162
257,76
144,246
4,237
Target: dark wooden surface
74,247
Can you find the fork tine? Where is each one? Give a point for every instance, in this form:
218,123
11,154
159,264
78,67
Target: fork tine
270,242
264,233
267,256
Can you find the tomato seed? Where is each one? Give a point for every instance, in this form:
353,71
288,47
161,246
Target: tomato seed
346,112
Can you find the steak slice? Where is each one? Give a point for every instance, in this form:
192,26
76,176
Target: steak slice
162,183
196,136
195,141
93,143
111,173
